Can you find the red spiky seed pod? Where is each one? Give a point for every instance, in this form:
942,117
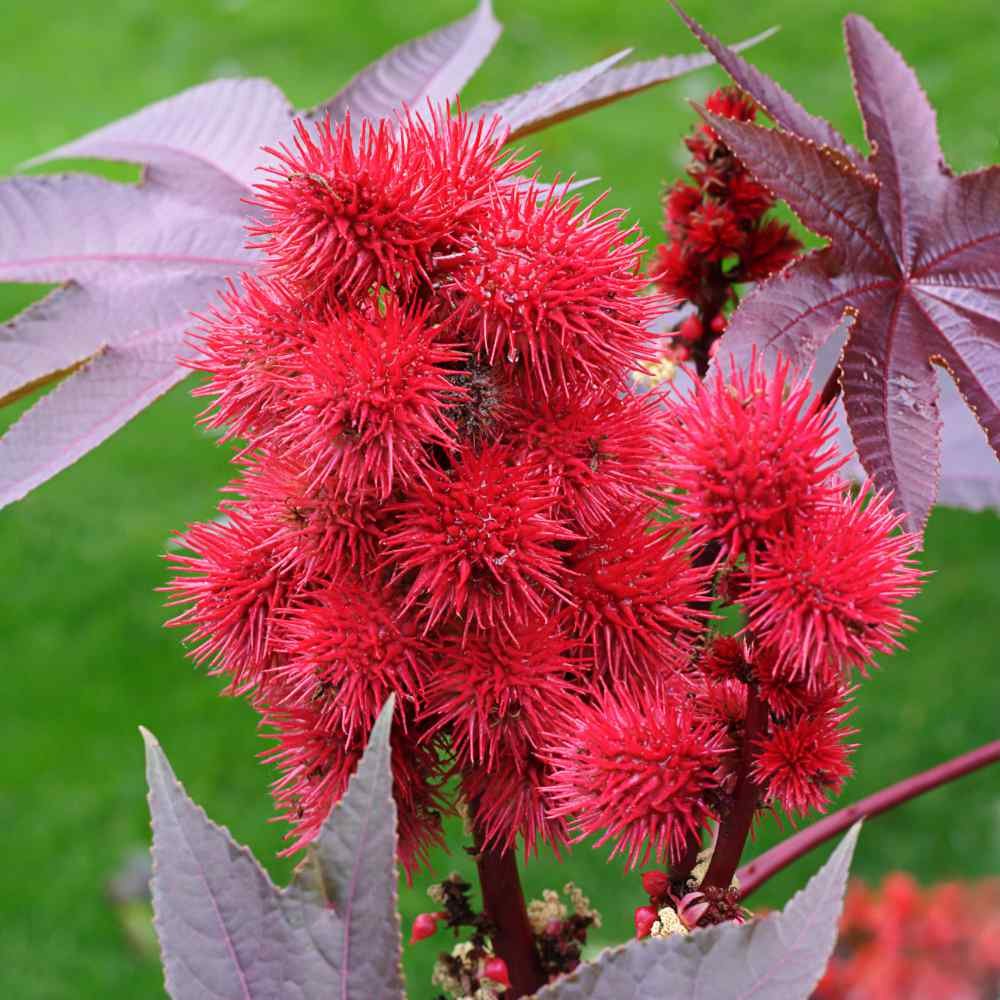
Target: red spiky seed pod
750,452
602,453
373,395
317,534
346,215
495,692
802,763
465,157
550,288
828,592
345,649
477,542
637,600
638,768
234,588
511,801
247,344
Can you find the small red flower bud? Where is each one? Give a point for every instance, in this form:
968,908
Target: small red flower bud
425,925
645,917
690,329
655,883
718,323
495,969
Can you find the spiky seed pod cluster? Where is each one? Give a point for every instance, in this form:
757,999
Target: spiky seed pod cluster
816,575
450,493
817,572
430,377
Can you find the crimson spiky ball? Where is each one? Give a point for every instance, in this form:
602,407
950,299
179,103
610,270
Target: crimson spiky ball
233,588
344,650
602,452
510,801
640,768
495,693
803,762
372,397
477,542
750,451
550,288
464,157
345,215
316,533
248,345
828,592
636,598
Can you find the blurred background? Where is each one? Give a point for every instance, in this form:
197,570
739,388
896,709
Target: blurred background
85,659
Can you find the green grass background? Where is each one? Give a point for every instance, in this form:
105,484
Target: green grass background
83,654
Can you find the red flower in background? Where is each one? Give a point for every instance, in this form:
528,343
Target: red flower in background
904,940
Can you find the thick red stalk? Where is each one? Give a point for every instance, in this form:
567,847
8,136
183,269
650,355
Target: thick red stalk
503,903
735,825
753,875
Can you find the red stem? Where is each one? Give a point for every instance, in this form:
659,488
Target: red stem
512,937
753,875
735,825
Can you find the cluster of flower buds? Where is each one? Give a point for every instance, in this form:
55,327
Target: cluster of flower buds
905,941
719,233
451,493
678,906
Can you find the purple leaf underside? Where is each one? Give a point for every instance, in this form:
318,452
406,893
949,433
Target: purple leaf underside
913,256
577,93
227,932
779,957
434,68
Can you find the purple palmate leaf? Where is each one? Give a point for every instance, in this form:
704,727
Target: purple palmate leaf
136,260
434,67
218,125
780,957
586,90
970,475
913,257
771,96
227,932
